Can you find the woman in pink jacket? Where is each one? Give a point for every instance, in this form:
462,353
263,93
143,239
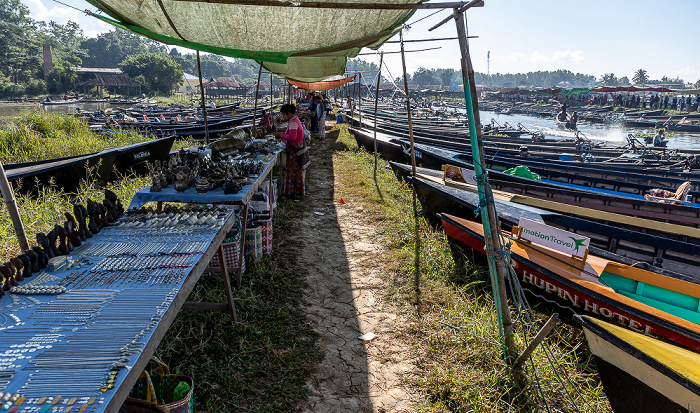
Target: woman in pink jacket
297,153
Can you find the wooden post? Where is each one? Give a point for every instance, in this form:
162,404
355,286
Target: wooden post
9,198
376,103
204,105
489,218
416,253
546,328
359,101
255,107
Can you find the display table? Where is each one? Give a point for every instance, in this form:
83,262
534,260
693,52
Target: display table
215,196
84,349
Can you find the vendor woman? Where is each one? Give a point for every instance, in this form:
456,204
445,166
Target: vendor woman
297,153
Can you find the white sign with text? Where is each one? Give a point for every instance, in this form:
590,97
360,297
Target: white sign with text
555,238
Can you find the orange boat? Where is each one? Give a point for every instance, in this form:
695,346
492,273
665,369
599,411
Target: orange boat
643,301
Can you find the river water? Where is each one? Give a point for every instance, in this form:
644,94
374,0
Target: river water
611,134
14,110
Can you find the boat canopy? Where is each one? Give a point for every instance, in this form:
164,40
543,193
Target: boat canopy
327,84
303,44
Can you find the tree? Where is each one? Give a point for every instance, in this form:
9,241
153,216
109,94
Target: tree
15,12
609,79
446,76
159,72
65,41
423,76
61,77
624,81
640,77
109,49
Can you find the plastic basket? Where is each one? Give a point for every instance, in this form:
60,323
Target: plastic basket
253,243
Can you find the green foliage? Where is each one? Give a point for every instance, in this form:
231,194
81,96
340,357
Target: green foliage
161,73
35,136
111,48
535,79
640,77
61,77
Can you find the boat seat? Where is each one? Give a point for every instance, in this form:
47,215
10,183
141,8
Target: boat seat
677,198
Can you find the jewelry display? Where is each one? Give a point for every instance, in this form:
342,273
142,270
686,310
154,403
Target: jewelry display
90,314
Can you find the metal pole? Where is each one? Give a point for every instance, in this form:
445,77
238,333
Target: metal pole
416,253
204,106
376,103
489,218
9,198
271,91
254,133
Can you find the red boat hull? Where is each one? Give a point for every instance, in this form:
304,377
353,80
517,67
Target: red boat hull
544,288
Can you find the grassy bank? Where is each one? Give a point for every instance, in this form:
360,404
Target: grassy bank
38,136
35,136
455,332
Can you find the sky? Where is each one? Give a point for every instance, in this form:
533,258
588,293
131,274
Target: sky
592,37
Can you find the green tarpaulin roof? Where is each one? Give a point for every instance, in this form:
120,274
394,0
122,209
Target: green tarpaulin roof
305,44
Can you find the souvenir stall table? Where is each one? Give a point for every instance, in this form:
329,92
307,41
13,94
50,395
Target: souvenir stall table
76,335
218,197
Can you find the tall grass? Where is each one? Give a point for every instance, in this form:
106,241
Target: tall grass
454,331
36,136
42,211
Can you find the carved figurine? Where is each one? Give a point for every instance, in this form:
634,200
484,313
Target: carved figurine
62,246
43,241
73,233
34,258
52,236
27,264
83,219
42,260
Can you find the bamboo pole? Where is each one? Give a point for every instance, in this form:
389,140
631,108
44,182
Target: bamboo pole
254,134
359,100
487,207
376,103
333,5
416,253
204,106
407,51
437,39
8,196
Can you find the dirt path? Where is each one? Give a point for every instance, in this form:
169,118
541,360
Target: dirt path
345,296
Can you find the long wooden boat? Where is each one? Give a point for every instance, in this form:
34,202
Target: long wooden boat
640,373
448,135
643,301
60,102
63,173
637,182
67,172
622,243
564,152
609,201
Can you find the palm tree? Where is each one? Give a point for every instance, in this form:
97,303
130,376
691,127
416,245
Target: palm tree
640,77
609,79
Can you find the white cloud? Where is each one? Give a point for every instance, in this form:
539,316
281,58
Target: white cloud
61,15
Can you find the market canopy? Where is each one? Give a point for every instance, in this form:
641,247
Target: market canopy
613,89
299,43
328,84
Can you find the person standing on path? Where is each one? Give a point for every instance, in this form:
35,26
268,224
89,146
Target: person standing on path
320,117
297,153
